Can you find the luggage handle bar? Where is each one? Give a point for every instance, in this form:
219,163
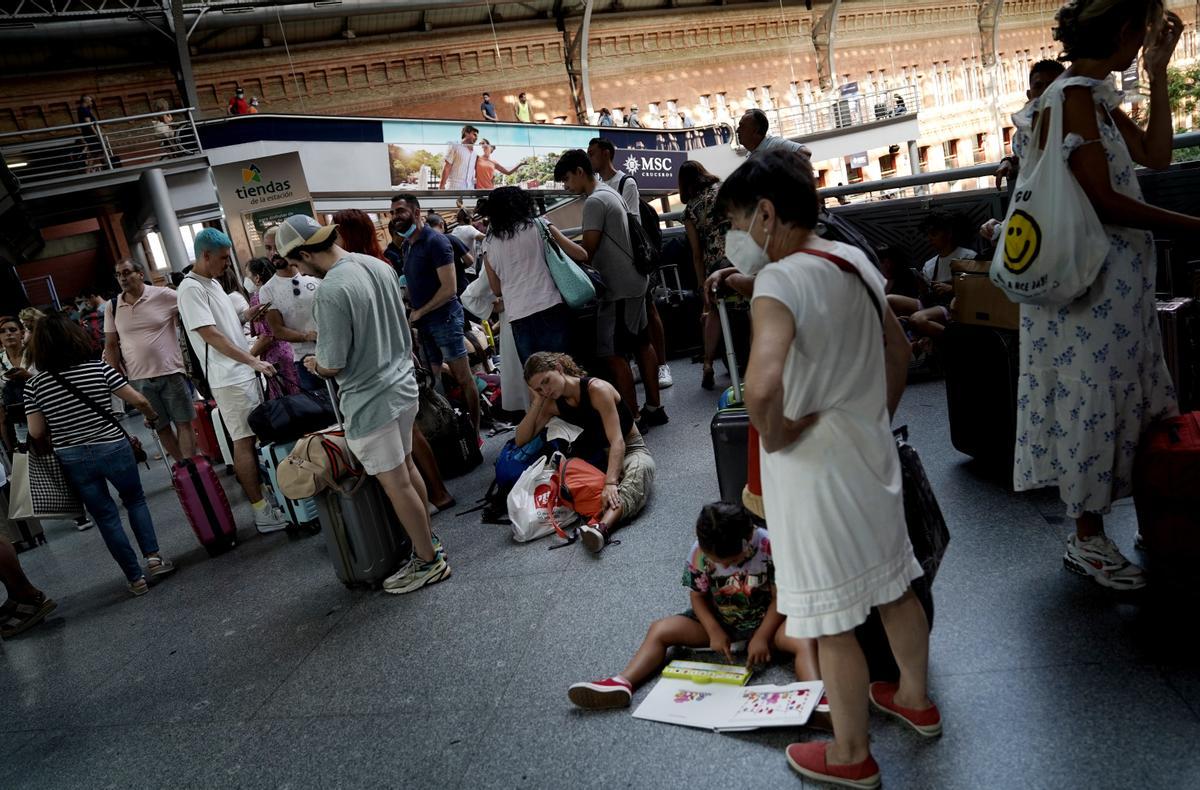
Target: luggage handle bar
337,412
730,356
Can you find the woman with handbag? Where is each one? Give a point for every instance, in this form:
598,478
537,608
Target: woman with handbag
515,259
706,228
1093,377
68,402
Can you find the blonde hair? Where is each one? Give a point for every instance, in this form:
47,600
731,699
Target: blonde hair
31,315
547,361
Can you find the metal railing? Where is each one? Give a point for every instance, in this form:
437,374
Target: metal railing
39,155
856,109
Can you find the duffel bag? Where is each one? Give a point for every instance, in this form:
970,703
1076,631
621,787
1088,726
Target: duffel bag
288,418
318,461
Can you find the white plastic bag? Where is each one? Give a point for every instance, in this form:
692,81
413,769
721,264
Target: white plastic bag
1052,244
528,505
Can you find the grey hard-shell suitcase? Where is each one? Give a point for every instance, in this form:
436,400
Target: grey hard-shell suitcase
366,542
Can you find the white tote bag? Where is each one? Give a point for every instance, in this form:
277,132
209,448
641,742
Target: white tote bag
1052,244
528,505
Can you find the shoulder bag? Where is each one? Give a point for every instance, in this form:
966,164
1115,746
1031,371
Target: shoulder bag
573,282
139,452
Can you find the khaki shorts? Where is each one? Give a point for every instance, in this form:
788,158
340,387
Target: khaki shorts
637,477
169,397
236,402
386,448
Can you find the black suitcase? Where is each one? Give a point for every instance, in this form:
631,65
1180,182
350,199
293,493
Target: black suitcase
982,366
680,309
730,434
1179,320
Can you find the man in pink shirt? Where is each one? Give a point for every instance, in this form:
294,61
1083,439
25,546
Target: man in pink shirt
141,340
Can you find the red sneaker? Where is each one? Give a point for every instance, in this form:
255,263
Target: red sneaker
808,759
928,722
607,694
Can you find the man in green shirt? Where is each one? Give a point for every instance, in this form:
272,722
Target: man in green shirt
524,115
363,341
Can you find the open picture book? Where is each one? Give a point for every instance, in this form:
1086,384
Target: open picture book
729,708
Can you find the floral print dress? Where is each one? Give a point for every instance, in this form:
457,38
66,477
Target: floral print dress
279,354
711,226
1092,375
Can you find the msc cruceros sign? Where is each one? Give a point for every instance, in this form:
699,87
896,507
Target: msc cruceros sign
651,169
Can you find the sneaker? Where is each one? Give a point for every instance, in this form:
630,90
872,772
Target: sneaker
593,538
270,519
927,722
438,548
654,415
1100,558
417,574
84,523
158,566
607,694
664,377
139,587
808,759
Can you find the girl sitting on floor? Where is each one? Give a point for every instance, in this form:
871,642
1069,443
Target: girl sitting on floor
732,582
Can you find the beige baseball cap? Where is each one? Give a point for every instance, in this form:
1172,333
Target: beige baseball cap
300,230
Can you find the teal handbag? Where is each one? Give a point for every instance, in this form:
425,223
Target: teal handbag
572,282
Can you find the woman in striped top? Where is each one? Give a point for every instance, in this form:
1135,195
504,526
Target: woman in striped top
93,448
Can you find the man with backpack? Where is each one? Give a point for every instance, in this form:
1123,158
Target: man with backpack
622,326
602,153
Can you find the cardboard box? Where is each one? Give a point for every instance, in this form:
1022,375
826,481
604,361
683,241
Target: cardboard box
977,300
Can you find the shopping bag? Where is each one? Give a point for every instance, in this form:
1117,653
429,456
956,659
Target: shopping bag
40,489
1052,244
533,506
575,286
927,531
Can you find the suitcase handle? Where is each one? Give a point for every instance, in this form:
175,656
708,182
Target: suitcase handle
730,356
337,412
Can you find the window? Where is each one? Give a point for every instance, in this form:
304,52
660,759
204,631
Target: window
980,148
950,153
887,165
854,175
923,158
822,179
1008,139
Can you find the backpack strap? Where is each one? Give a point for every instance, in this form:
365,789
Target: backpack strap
848,268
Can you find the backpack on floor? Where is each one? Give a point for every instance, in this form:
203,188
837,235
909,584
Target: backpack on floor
578,485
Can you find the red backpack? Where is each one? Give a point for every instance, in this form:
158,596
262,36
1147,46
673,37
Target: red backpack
575,484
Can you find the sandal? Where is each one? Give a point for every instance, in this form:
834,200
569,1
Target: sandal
707,380
17,617
139,587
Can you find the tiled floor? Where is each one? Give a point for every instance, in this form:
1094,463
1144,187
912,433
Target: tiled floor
258,669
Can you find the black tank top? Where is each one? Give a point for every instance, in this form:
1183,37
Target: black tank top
592,445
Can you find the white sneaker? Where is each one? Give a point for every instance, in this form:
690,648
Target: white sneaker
269,519
1099,558
664,377
83,524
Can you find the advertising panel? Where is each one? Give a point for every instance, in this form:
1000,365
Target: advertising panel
258,193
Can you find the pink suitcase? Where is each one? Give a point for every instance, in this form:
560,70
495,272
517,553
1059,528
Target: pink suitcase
205,505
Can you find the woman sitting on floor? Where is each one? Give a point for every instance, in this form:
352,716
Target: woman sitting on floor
610,440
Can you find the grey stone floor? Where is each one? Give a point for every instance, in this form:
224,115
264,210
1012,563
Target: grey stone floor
258,669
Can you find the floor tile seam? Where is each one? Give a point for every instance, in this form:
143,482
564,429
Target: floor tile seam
1035,668
358,601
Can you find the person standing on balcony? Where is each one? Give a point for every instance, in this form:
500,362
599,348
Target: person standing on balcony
93,146
752,135
459,170
605,118
238,105
487,109
523,112
633,122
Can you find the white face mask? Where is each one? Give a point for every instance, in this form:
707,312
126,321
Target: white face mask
249,285
743,251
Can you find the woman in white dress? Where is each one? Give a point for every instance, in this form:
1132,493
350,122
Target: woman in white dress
1093,376
820,387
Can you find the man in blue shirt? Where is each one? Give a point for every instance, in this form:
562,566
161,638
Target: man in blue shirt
430,275
488,109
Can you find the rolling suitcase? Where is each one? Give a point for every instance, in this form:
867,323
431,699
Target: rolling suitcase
366,542
300,512
982,368
1166,489
203,501
1179,320
206,435
680,310
730,428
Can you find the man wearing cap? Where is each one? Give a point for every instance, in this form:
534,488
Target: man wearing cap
459,170
363,341
215,331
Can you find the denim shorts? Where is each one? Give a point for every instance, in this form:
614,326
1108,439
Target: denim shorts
442,336
169,396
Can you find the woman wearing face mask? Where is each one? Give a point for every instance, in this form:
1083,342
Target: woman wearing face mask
820,387
266,346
